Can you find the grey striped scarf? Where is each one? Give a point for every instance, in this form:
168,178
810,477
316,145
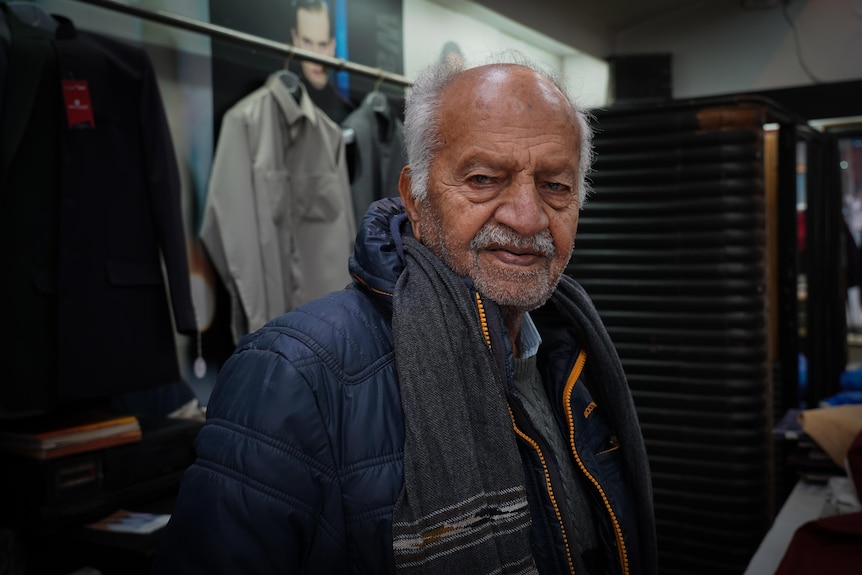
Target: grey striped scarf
463,507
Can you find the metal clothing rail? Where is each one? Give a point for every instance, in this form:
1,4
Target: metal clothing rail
250,40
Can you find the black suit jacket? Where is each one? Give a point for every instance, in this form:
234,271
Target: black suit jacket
29,217
112,193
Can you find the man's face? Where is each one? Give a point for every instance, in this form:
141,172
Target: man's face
502,204
312,34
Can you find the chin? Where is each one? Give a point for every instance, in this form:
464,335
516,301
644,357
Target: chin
522,296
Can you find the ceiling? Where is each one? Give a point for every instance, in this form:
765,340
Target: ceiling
611,16
589,25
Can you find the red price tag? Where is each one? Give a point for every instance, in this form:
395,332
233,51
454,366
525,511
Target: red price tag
79,112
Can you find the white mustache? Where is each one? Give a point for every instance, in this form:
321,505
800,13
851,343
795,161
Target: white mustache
501,236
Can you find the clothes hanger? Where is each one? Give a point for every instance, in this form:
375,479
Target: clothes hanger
377,99
290,79
33,15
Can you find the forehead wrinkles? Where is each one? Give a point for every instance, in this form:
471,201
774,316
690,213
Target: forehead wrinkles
503,100
505,85
536,154
482,138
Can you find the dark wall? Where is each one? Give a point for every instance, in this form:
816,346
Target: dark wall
820,101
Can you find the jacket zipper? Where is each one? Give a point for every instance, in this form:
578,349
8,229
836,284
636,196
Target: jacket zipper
486,333
548,486
365,283
483,320
567,396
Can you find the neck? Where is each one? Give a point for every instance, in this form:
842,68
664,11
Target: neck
513,318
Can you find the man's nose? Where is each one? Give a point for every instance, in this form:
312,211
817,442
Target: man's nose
522,208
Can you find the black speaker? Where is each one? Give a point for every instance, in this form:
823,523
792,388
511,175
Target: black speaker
640,78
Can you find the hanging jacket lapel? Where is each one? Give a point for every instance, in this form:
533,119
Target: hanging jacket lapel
30,51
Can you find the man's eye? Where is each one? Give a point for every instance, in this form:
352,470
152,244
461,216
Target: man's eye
558,195
556,187
481,179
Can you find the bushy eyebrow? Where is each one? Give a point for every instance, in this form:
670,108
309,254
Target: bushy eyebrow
475,163
566,172
503,163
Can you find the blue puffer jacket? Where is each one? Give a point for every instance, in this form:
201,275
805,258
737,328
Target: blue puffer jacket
300,462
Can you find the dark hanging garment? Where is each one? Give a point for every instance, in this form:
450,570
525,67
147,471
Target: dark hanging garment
853,258
329,101
377,153
29,216
109,211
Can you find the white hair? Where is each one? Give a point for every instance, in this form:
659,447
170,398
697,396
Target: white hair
422,118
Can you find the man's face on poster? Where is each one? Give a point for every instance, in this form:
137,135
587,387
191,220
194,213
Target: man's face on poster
312,34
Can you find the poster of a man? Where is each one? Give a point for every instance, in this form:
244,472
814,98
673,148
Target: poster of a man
313,31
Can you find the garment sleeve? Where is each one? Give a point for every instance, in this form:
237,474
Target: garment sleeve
344,179
165,193
254,500
230,228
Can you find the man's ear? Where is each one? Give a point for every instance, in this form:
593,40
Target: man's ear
405,185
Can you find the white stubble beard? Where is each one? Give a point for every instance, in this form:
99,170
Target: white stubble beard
517,291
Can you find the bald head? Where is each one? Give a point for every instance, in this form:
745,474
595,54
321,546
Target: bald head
513,82
507,93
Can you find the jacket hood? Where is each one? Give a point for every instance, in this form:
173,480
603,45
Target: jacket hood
378,255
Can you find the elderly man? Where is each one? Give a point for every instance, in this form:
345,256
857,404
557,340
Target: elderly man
459,408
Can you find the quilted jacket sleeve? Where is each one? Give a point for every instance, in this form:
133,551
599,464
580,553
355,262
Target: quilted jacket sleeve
257,497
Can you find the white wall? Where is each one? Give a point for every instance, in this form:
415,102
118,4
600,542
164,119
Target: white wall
588,79
429,25
721,48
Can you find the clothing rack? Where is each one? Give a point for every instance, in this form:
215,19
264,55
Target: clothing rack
250,40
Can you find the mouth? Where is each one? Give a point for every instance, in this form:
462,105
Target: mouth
509,249
515,256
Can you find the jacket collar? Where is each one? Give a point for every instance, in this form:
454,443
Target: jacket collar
378,255
30,53
294,112
65,28
377,106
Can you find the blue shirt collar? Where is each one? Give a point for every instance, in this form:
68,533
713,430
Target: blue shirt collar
529,338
